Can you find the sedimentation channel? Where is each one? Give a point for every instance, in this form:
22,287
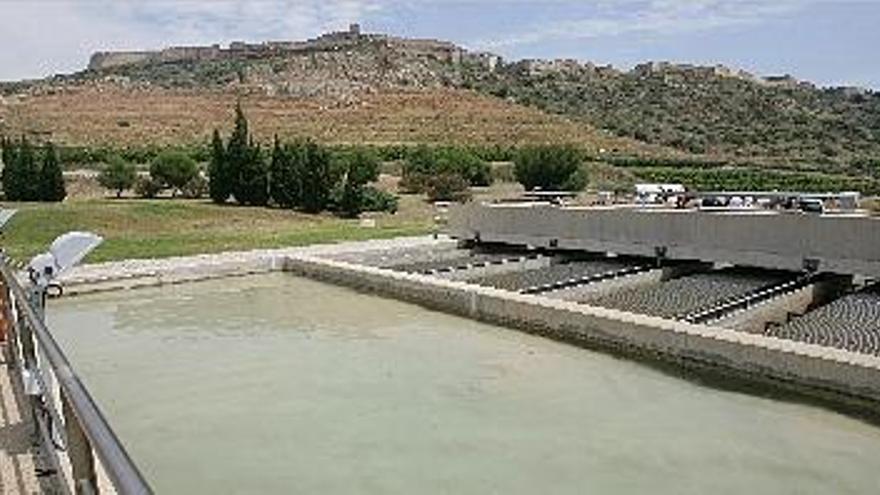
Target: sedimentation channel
391,366
274,383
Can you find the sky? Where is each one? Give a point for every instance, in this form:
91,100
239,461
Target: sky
829,43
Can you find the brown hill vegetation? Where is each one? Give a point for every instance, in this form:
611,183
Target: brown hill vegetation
111,114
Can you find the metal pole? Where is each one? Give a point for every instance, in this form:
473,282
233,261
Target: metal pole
79,451
10,326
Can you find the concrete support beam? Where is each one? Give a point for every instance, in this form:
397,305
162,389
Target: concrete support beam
845,244
777,310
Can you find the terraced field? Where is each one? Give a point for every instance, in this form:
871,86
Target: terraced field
109,114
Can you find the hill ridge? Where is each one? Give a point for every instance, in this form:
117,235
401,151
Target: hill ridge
716,111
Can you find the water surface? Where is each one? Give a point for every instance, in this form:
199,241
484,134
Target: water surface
277,384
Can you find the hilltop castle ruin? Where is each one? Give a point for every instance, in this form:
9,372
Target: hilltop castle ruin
421,48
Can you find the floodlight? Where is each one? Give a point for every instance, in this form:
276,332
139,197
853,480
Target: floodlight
65,252
5,216
70,248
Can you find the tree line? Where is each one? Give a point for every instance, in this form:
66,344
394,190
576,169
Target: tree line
31,173
170,169
300,174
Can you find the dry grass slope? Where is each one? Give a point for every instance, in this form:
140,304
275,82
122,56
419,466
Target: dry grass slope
109,114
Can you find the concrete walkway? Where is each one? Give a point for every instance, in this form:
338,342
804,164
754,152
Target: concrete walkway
130,274
18,456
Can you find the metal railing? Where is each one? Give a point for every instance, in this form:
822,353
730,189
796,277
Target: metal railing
79,437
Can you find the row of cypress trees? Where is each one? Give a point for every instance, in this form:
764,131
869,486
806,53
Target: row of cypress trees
30,174
237,169
301,174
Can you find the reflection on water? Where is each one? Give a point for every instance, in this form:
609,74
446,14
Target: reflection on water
275,384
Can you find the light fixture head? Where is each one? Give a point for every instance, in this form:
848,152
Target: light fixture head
65,252
5,216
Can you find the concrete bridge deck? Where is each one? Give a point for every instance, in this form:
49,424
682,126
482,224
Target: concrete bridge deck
832,243
18,456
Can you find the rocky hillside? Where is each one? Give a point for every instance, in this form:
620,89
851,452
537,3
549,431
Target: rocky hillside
348,87
704,110
369,89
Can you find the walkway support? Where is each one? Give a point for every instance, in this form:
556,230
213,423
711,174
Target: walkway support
844,244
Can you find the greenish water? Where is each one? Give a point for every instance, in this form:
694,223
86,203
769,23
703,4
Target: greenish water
276,384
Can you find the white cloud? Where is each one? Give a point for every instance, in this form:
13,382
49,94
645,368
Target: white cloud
46,36
50,36
650,17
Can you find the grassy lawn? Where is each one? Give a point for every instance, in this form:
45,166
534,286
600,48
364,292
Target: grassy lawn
166,227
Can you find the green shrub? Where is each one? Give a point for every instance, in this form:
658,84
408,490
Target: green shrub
147,187
447,187
424,162
550,168
89,155
359,167
377,200
173,169
866,166
744,179
467,164
503,172
118,175
196,188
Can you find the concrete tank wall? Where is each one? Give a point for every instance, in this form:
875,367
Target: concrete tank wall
846,244
844,377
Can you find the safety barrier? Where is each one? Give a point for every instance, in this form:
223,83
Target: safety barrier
77,440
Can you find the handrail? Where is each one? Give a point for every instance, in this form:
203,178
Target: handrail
123,473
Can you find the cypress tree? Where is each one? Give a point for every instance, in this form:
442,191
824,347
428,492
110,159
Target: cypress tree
26,180
10,162
236,154
51,183
8,150
318,178
285,185
253,178
248,174
218,174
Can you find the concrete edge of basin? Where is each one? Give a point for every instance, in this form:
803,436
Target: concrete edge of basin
140,273
841,379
